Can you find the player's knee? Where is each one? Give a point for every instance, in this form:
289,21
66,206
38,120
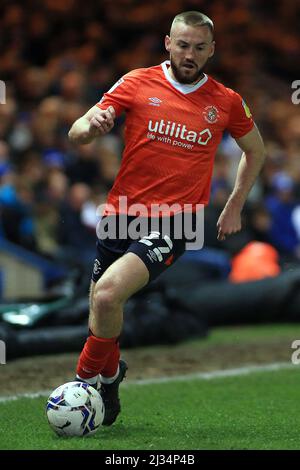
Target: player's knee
106,297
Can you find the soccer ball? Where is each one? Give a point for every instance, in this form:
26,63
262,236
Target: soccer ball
75,409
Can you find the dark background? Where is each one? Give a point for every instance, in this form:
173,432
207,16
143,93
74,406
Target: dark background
57,59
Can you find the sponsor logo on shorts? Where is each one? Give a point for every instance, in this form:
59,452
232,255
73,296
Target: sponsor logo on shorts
152,256
97,267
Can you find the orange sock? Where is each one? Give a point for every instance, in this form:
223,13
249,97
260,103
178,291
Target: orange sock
112,362
94,356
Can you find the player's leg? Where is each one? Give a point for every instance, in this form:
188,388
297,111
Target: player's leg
144,260
101,354
120,281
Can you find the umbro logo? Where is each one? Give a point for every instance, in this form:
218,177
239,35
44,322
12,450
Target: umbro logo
154,101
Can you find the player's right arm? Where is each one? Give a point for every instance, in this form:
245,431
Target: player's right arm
99,120
96,122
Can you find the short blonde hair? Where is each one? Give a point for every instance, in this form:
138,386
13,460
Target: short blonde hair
193,18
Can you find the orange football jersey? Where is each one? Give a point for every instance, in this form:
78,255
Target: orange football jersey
172,132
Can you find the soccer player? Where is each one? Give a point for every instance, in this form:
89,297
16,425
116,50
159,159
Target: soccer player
175,118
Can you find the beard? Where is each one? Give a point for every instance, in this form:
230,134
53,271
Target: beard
186,79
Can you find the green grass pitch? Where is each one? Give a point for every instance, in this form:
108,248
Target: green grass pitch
255,411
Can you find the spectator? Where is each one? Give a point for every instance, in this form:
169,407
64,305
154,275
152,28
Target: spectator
281,205
53,70
73,235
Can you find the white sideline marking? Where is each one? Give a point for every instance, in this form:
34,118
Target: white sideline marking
176,378
216,373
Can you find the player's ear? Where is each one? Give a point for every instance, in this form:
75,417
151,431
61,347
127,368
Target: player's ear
168,43
212,51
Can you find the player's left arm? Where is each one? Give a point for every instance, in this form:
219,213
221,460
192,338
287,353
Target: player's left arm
249,168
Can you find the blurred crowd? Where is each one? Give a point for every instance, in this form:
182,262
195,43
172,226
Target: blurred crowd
59,57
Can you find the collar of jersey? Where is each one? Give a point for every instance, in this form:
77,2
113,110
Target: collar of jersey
185,89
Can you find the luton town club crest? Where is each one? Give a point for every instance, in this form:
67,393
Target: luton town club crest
211,114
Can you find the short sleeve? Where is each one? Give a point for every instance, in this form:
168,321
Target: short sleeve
121,94
240,118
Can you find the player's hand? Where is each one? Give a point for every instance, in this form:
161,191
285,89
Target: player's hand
102,122
229,222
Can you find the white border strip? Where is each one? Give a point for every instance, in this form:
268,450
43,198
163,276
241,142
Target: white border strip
176,378
217,373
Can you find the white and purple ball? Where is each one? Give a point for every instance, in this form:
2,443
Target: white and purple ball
75,409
